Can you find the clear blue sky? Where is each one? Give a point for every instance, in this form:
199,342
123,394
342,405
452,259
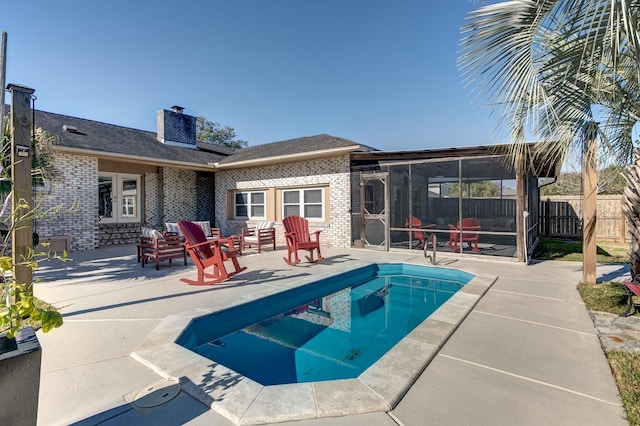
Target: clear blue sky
378,72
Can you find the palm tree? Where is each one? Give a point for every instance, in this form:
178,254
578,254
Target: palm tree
631,209
549,67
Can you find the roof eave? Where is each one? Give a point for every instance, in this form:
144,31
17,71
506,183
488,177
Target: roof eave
313,155
136,159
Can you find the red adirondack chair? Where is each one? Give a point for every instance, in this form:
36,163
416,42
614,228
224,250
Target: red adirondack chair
419,232
298,238
208,253
468,224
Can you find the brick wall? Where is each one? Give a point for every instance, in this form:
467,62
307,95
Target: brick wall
334,172
179,194
176,127
111,234
153,211
205,197
77,181
169,196
174,194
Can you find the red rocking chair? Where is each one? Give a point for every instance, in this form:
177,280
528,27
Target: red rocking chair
420,232
208,253
298,238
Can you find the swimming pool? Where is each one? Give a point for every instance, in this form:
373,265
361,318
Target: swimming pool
242,400
343,325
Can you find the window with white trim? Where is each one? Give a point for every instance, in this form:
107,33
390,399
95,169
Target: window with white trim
118,197
249,205
306,202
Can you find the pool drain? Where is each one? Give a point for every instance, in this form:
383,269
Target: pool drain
155,395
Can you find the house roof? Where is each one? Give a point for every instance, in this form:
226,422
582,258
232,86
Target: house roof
304,148
124,143
538,163
89,137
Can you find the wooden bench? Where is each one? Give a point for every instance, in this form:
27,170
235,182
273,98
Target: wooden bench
633,288
160,249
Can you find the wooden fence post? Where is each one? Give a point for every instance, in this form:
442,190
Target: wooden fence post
547,217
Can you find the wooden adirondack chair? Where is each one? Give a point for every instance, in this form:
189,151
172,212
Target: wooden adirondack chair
298,238
208,254
468,224
419,232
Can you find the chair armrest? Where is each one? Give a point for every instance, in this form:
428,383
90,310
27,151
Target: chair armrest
146,242
248,231
226,242
208,242
173,240
266,232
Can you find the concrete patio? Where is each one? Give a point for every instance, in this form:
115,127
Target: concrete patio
526,354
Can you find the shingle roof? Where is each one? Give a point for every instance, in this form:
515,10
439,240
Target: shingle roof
291,147
111,139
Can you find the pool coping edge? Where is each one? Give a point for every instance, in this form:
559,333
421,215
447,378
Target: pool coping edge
246,402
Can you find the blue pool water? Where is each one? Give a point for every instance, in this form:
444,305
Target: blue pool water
334,328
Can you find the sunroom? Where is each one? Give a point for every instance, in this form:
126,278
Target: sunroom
466,201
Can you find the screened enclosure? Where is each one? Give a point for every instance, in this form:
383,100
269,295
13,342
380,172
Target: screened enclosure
472,203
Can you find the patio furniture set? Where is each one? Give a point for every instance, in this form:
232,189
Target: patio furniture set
209,250
465,231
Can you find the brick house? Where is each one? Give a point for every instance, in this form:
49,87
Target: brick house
307,176
358,196
126,178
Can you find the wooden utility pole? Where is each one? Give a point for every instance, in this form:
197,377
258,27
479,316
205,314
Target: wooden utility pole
3,75
590,194
21,152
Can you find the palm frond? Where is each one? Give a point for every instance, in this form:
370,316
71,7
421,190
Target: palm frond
541,65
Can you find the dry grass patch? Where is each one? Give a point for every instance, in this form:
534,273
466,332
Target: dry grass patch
611,297
571,251
605,297
626,370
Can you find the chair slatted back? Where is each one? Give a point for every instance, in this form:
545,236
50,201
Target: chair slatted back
195,235
299,225
416,224
469,223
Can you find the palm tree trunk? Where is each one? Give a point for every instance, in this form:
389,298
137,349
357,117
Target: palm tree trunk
631,209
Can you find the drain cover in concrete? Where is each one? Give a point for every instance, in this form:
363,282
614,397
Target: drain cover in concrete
154,395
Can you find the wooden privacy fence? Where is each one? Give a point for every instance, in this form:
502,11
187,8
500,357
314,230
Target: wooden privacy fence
561,217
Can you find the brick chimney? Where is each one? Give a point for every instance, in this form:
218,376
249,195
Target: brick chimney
176,128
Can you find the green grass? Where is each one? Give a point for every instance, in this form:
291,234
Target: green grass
612,297
608,297
571,251
626,371
605,297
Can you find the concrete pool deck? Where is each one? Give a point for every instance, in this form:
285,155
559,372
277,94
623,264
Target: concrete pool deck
526,352
379,388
